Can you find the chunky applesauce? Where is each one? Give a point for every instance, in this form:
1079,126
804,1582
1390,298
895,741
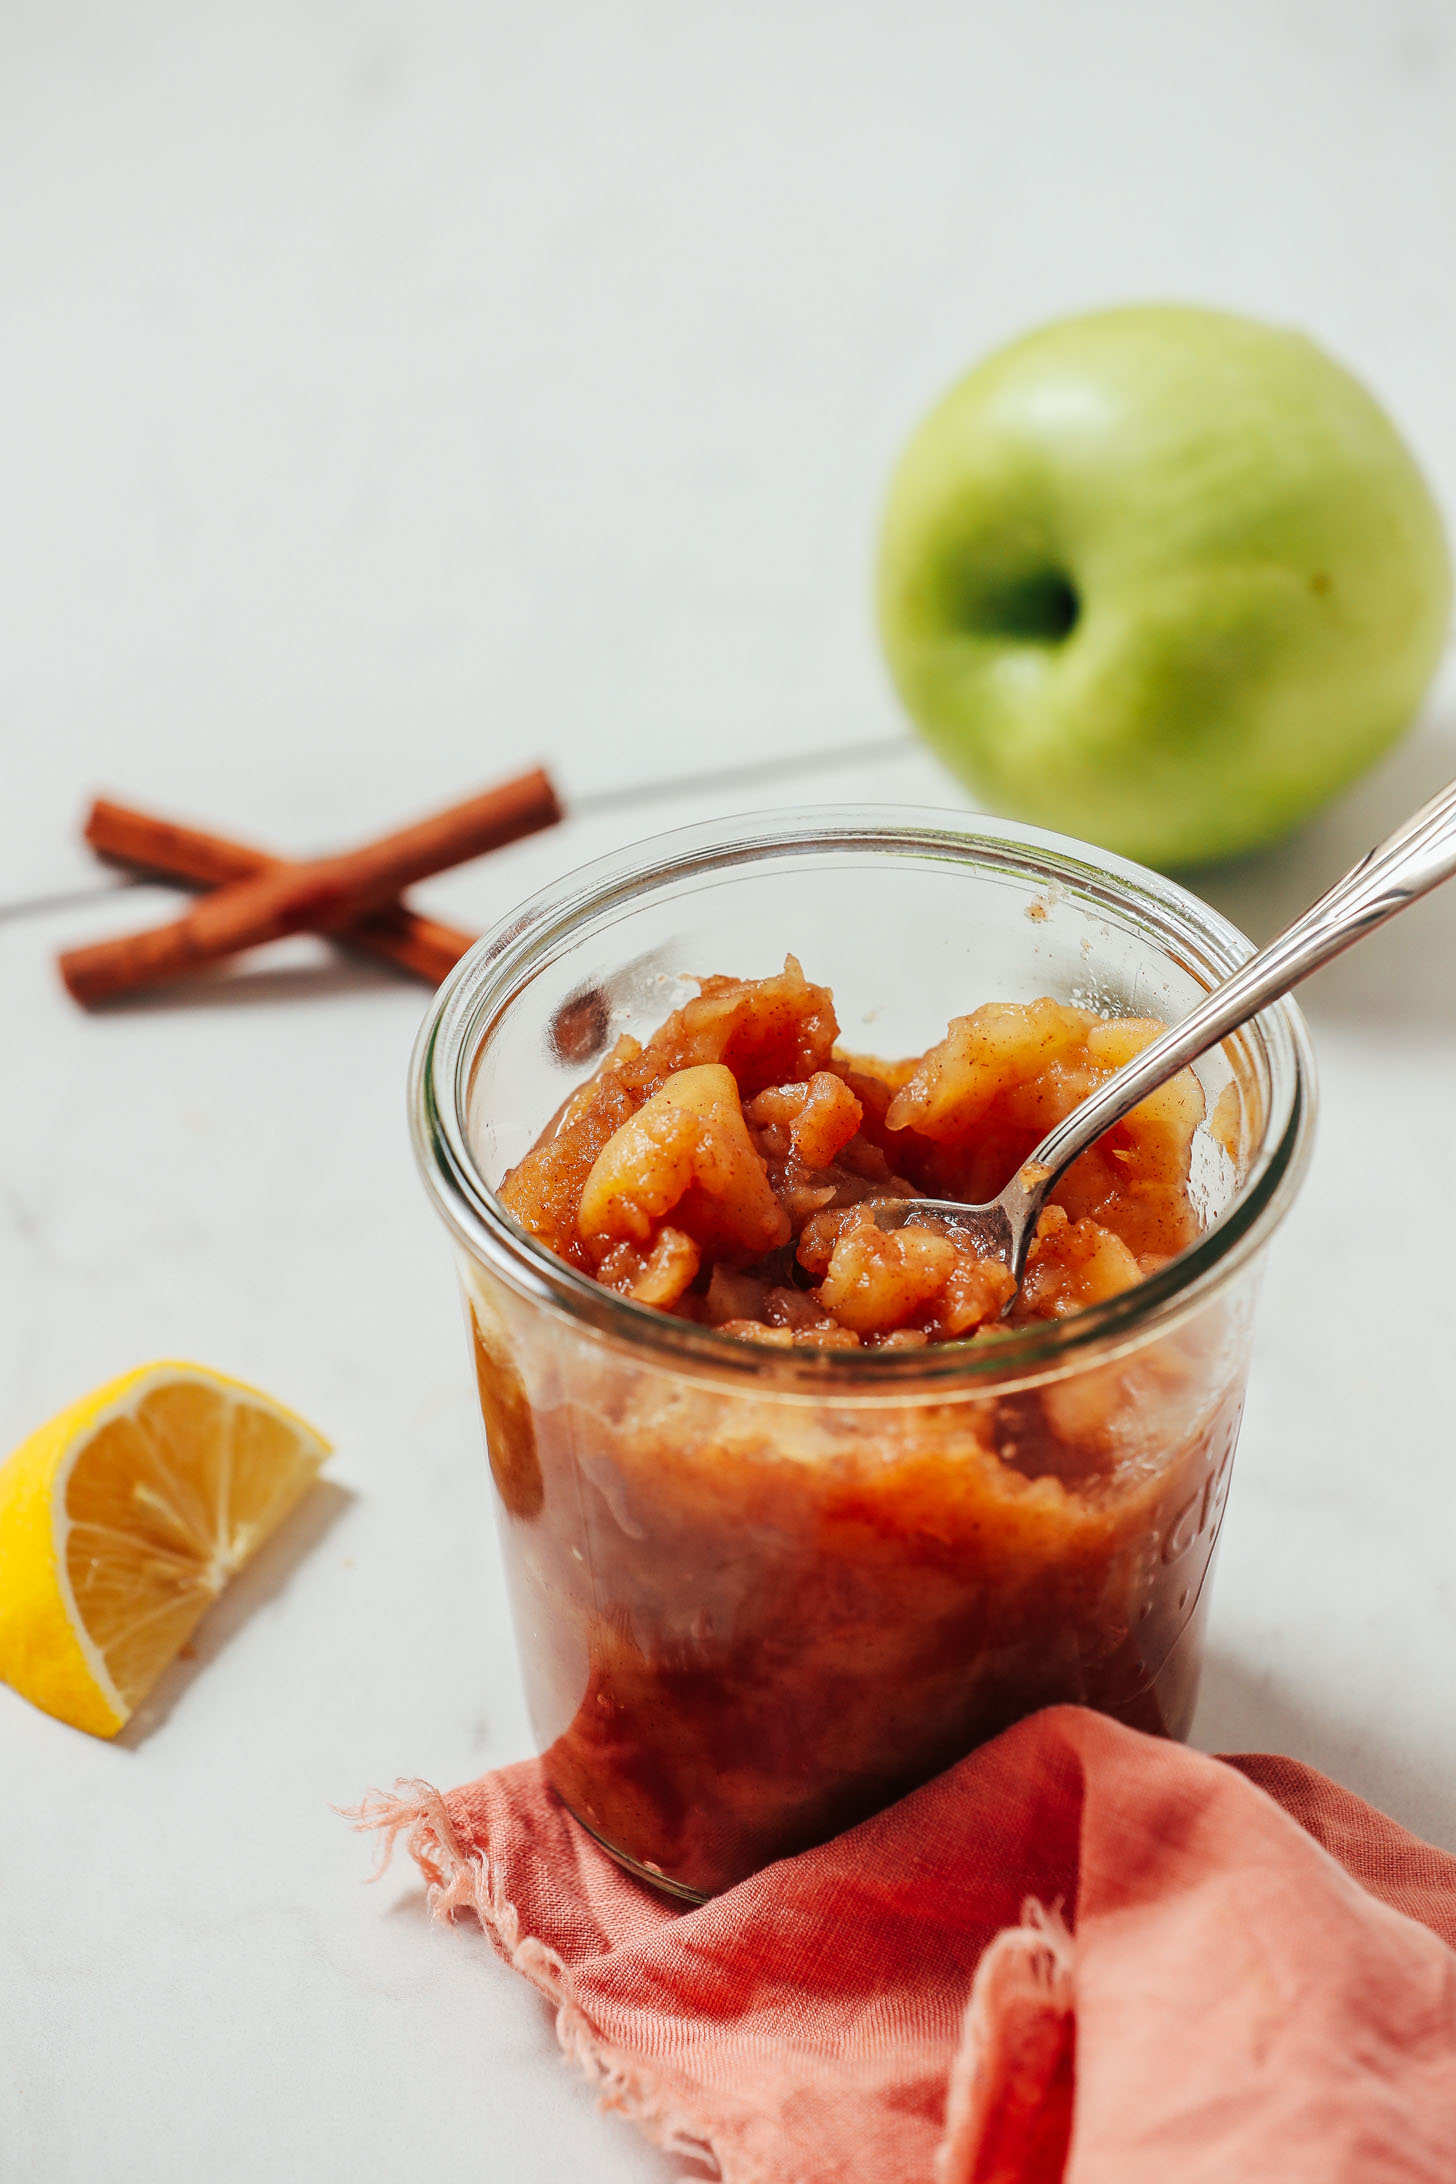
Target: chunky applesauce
725,1170
754,1610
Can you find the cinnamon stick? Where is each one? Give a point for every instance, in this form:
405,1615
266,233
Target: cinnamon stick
144,843
324,894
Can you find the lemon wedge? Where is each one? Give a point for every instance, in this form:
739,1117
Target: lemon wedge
123,1519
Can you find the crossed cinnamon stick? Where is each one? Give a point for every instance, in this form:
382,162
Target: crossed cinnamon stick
353,898
257,898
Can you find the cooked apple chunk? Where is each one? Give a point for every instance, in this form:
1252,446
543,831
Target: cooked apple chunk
687,1153
879,1282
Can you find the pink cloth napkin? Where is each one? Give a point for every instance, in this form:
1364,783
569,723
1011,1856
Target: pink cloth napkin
1081,1954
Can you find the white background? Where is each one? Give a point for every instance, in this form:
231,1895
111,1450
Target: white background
392,397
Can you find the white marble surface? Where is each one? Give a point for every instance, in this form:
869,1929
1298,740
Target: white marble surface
393,395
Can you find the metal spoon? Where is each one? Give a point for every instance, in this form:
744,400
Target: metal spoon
1416,858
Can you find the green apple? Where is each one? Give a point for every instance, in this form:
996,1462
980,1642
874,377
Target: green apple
1161,577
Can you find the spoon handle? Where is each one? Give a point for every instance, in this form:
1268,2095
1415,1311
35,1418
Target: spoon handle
1415,858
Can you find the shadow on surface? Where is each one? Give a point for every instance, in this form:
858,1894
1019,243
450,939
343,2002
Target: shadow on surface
1243,1709
68,898
412,1902
263,1579
1386,979
229,988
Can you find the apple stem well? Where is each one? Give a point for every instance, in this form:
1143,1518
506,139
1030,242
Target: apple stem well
1039,608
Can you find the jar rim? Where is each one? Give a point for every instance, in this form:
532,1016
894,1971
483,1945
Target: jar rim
504,960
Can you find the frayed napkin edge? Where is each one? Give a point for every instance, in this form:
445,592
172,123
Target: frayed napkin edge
460,1879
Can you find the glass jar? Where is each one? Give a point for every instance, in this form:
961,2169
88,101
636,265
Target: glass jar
760,1593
